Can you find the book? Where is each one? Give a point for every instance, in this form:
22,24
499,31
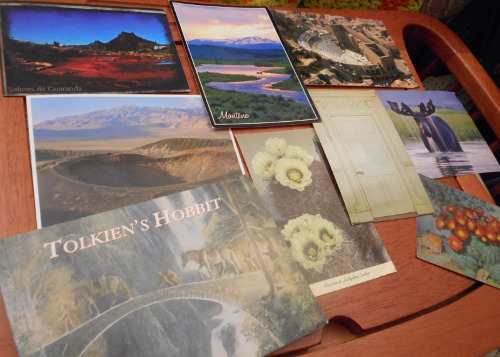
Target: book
342,51
197,273
242,68
291,174
93,153
62,49
438,134
462,236
373,171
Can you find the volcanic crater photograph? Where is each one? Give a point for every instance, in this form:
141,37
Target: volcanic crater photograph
54,49
95,153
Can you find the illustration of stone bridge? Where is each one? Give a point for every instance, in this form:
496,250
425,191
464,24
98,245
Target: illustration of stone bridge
241,291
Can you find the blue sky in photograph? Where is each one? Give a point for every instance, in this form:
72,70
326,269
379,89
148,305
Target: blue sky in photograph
50,107
440,99
70,26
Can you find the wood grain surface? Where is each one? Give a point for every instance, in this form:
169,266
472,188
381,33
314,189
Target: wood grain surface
467,327
420,310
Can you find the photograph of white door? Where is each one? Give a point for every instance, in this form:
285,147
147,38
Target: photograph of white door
373,171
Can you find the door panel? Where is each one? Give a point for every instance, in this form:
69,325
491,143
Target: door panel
371,160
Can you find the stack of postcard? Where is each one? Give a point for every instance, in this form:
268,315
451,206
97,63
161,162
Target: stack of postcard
156,243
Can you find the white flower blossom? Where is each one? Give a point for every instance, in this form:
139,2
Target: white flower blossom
292,227
308,250
296,152
327,232
264,165
276,146
293,173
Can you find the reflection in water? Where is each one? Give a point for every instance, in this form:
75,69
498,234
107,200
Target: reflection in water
475,158
453,164
260,86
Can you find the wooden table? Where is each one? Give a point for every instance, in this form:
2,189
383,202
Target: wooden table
420,310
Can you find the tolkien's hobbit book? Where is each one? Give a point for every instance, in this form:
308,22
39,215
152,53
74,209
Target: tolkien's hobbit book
342,51
61,49
290,173
203,272
462,236
439,135
373,171
94,153
242,67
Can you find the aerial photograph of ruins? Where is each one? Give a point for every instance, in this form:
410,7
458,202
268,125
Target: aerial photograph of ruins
337,51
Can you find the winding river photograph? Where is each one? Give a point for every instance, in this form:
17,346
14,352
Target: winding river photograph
244,72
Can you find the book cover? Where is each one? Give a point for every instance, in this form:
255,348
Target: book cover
290,173
342,51
62,49
462,236
242,67
94,153
438,134
373,171
203,272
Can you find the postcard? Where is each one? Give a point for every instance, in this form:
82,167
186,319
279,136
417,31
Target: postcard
67,49
342,51
462,236
372,169
439,135
93,153
289,170
161,277
241,65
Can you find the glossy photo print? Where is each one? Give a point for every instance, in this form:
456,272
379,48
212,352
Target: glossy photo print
342,51
242,67
63,49
437,132
462,236
94,153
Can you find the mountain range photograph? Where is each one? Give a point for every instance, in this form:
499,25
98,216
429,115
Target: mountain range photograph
242,67
91,50
113,151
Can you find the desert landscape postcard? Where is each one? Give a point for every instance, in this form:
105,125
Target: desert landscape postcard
134,282
289,170
342,51
462,236
242,67
62,49
94,153
439,135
